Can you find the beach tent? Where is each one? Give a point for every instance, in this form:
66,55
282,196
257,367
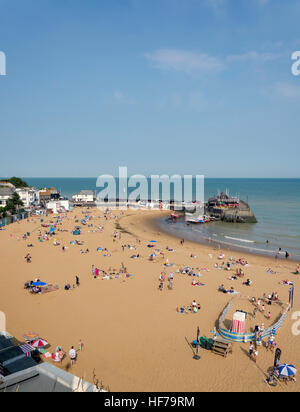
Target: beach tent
52,230
39,284
239,322
76,232
99,249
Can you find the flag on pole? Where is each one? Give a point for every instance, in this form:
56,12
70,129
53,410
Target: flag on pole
291,296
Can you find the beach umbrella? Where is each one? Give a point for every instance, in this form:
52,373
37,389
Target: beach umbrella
39,343
99,249
39,284
287,370
31,336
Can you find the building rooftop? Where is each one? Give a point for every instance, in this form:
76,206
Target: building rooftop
86,193
6,191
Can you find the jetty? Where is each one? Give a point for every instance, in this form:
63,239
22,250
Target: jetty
222,207
229,209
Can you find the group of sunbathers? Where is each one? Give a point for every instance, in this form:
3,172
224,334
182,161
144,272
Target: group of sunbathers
193,308
224,290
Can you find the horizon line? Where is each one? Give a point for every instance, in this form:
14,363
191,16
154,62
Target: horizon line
206,177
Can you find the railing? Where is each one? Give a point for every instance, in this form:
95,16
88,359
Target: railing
248,337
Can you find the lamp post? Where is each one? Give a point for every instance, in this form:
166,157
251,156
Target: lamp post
196,356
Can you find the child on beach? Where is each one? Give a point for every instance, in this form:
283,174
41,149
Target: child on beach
254,355
251,349
80,345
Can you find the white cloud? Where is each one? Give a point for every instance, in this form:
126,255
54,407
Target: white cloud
215,4
252,56
196,63
287,90
120,98
184,61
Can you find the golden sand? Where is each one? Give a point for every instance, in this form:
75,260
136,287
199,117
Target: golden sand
133,337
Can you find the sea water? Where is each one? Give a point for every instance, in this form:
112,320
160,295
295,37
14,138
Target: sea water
275,203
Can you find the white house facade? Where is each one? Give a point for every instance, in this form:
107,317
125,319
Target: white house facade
85,196
28,195
6,193
58,206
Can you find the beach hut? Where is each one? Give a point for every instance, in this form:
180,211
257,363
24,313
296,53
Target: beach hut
239,322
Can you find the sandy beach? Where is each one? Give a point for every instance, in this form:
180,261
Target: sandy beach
134,339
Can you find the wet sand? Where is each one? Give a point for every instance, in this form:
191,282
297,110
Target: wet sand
133,337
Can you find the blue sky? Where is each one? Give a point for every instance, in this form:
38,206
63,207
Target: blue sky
159,86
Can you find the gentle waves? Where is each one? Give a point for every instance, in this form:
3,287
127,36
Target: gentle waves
275,203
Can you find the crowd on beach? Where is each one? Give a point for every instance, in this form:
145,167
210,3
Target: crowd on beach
238,267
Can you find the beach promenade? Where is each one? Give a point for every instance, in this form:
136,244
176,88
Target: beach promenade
133,337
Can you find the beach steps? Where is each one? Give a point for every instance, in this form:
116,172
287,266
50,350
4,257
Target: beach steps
222,347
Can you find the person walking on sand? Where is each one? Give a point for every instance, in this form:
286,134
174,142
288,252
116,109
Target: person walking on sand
251,349
77,281
80,345
254,355
72,354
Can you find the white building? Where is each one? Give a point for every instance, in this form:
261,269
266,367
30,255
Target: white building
58,206
28,195
84,196
6,193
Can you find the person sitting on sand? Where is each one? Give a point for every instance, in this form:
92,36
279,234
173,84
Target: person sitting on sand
286,282
60,355
28,258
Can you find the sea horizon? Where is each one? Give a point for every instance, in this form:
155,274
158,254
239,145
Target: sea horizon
274,201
